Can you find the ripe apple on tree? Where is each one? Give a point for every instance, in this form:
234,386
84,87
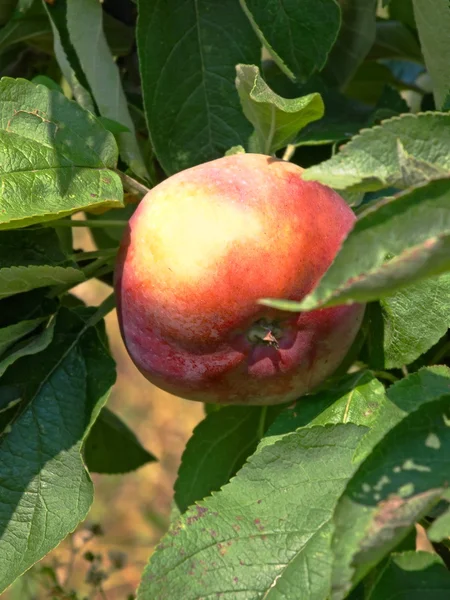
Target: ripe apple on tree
199,252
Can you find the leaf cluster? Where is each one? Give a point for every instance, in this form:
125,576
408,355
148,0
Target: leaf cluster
101,101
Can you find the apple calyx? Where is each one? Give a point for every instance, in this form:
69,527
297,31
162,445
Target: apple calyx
266,333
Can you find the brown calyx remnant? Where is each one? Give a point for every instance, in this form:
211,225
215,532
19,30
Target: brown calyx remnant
265,332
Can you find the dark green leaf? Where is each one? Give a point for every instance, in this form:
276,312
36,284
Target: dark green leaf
31,258
370,81
218,448
433,23
55,158
403,477
389,104
395,40
6,10
355,39
412,576
44,488
440,528
276,120
112,447
267,533
188,52
32,345
402,10
24,28
26,306
299,35
13,333
413,227
120,37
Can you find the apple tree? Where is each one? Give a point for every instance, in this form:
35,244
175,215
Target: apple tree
320,498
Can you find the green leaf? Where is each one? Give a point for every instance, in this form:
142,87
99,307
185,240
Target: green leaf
31,258
440,528
85,23
112,447
267,533
55,157
110,237
299,35
113,126
415,319
412,576
120,37
433,24
6,10
402,10
389,104
395,486
33,345
217,449
375,159
48,82
355,39
44,486
276,120
395,40
187,54
25,27
26,306
412,227
12,334
343,117
358,398
235,150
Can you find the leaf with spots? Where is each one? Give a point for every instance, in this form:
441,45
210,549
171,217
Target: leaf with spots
267,533
187,53
398,483
55,157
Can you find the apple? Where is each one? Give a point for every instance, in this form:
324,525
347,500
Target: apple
201,249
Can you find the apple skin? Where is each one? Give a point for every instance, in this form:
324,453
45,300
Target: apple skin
200,250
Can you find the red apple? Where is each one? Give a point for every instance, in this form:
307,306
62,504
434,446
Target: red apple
201,249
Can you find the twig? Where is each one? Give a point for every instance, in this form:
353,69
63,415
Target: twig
132,185
88,223
289,152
